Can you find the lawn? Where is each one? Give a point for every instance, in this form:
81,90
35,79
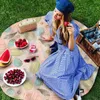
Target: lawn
86,11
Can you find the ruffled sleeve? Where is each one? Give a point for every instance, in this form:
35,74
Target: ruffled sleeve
76,29
48,19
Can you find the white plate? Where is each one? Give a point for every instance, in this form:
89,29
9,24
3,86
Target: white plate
21,47
13,85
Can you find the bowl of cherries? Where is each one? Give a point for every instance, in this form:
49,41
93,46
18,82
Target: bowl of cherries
21,43
14,77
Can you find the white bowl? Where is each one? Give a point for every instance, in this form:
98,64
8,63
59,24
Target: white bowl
21,47
13,85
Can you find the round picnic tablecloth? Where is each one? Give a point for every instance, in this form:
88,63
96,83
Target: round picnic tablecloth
33,85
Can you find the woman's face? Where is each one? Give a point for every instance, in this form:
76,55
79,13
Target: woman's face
57,14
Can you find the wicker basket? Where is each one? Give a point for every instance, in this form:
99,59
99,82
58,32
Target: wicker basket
87,47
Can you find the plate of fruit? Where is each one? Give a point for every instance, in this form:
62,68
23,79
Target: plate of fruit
21,43
14,77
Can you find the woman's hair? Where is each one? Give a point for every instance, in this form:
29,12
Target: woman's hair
64,35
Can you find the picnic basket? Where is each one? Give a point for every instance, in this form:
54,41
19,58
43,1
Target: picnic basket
85,41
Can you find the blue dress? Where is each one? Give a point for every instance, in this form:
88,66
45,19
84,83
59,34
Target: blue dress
63,69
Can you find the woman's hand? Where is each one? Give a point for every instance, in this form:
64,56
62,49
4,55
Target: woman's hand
47,39
70,29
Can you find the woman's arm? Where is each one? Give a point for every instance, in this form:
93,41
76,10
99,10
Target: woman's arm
71,42
71,37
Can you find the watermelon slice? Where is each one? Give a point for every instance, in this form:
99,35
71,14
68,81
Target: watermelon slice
5,57
5,65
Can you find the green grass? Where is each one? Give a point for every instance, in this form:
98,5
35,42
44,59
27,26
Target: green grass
86,11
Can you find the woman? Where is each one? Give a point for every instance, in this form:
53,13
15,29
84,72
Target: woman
51,19
63,69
